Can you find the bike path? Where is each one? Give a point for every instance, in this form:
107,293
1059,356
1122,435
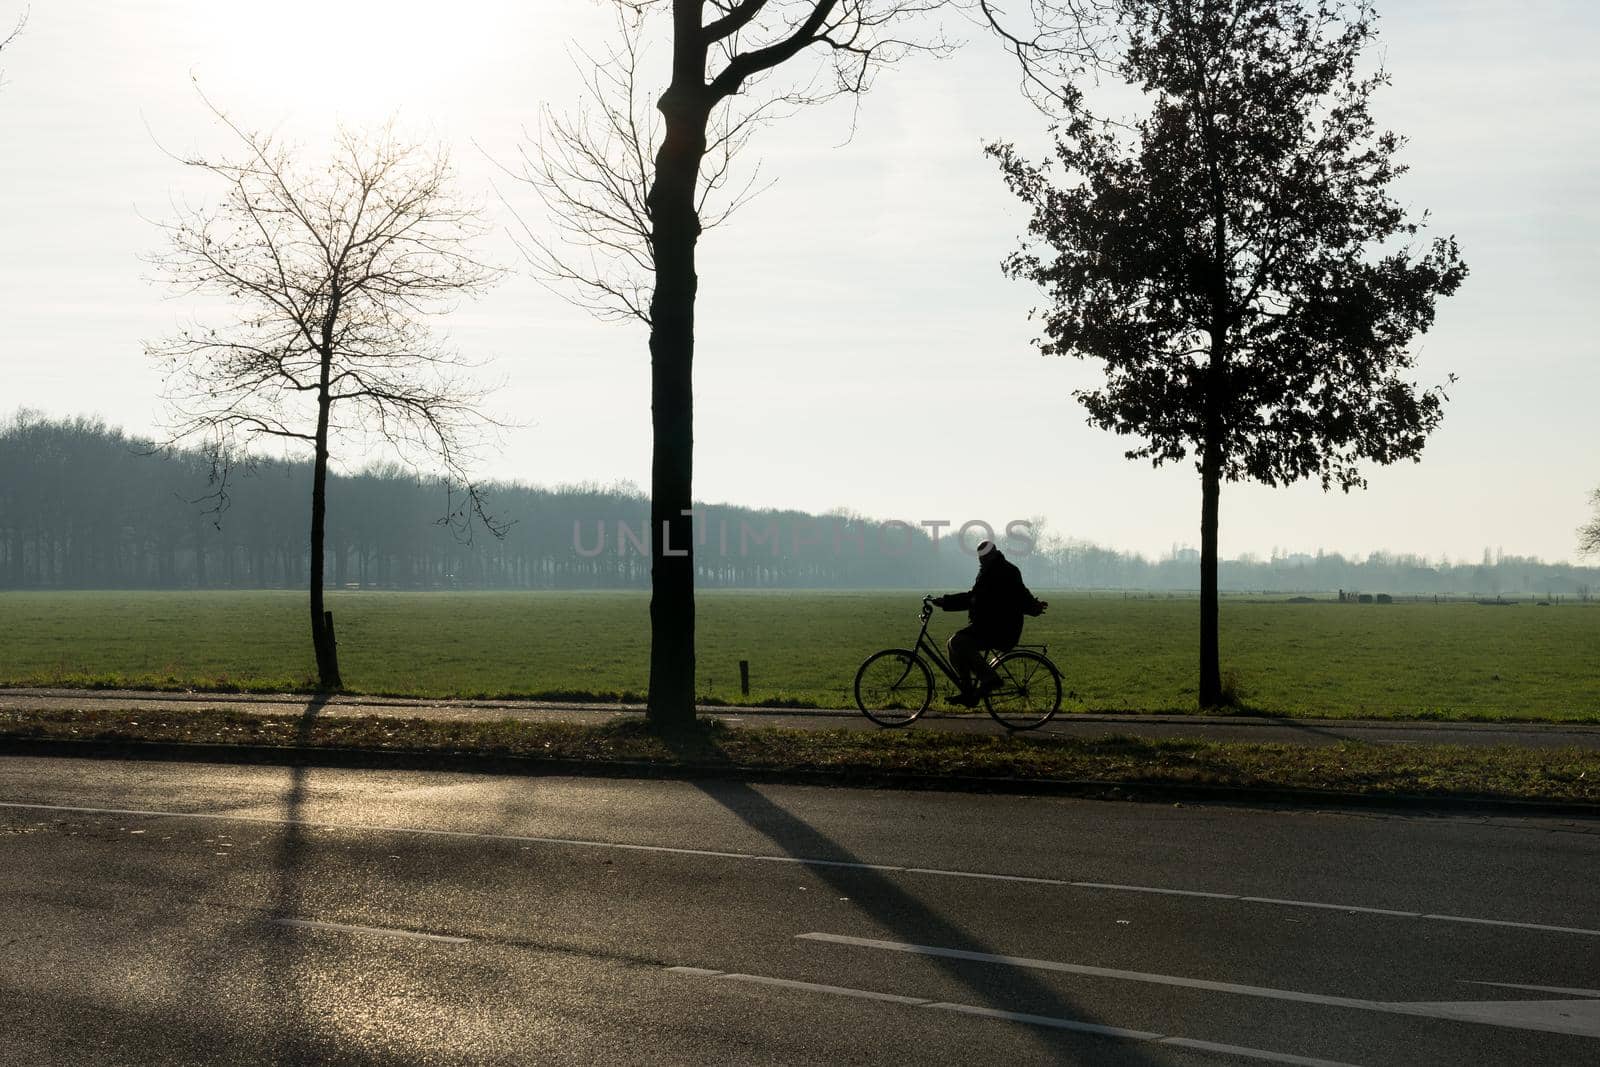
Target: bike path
1250,728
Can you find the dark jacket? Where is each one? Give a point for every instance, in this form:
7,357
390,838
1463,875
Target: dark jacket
996,603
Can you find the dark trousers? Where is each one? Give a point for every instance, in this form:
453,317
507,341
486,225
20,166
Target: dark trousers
966,654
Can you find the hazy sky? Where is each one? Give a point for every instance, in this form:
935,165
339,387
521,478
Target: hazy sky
858,346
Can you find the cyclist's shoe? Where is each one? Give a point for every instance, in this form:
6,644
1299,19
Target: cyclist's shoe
967,698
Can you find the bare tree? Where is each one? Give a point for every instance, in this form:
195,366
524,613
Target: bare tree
632,191
1589,532
16,31
593,170
336,271
10,38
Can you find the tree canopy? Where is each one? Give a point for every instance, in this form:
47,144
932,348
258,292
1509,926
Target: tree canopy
1233,256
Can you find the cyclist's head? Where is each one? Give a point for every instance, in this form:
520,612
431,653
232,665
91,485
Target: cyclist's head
987,551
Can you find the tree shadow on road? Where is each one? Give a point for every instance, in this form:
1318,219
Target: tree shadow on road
244,988
298,1038
910,919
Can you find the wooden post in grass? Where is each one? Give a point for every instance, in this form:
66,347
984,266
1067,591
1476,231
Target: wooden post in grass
744,677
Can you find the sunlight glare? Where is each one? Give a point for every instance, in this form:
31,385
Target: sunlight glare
355,58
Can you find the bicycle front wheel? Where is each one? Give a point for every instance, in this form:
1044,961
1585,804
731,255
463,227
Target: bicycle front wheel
1029,691
893,687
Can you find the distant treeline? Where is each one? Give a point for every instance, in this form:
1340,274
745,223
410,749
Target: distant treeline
83,506
1076,565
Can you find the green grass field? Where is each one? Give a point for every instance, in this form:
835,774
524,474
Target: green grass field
1118,654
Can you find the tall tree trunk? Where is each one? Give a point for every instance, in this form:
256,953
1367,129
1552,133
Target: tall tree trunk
1210,492
321,635
675,231
200,581
1217,401
1211,451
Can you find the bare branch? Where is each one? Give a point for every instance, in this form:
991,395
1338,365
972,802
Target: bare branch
594,168
1589,533
737,18
16,31
743,65
336,273
1053,42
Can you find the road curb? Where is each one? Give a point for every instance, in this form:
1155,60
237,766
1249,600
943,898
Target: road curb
422,705
533,766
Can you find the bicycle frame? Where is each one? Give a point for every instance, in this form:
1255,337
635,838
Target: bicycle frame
926,647
1010,698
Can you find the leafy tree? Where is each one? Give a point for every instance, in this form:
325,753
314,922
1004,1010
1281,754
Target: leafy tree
336,272
1233,257
630,192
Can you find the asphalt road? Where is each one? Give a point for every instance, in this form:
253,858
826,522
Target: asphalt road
170,913
1210,727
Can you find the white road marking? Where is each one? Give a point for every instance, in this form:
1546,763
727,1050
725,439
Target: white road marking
1047,1020
985,875
382,931
1248,1053
1153,889
1543,988
836,990
1502,922
1051,1021
1580,1018
1027,963
790,983
800,861
1336,907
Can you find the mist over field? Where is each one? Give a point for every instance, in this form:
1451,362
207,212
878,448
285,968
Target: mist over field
84,506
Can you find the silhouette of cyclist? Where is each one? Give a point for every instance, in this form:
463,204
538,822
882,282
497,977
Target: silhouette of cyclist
995,606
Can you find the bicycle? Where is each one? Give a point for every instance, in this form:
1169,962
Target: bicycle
895,686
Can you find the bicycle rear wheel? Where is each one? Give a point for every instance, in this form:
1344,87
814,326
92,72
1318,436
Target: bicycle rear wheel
1029,691
893,687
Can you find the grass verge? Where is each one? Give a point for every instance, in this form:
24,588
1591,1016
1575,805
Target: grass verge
1320,660
929,757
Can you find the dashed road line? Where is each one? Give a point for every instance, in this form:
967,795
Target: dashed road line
1343,907
803,861
1503,922
1028,963
1154,889
1515,1015
1001,1015
1563,990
